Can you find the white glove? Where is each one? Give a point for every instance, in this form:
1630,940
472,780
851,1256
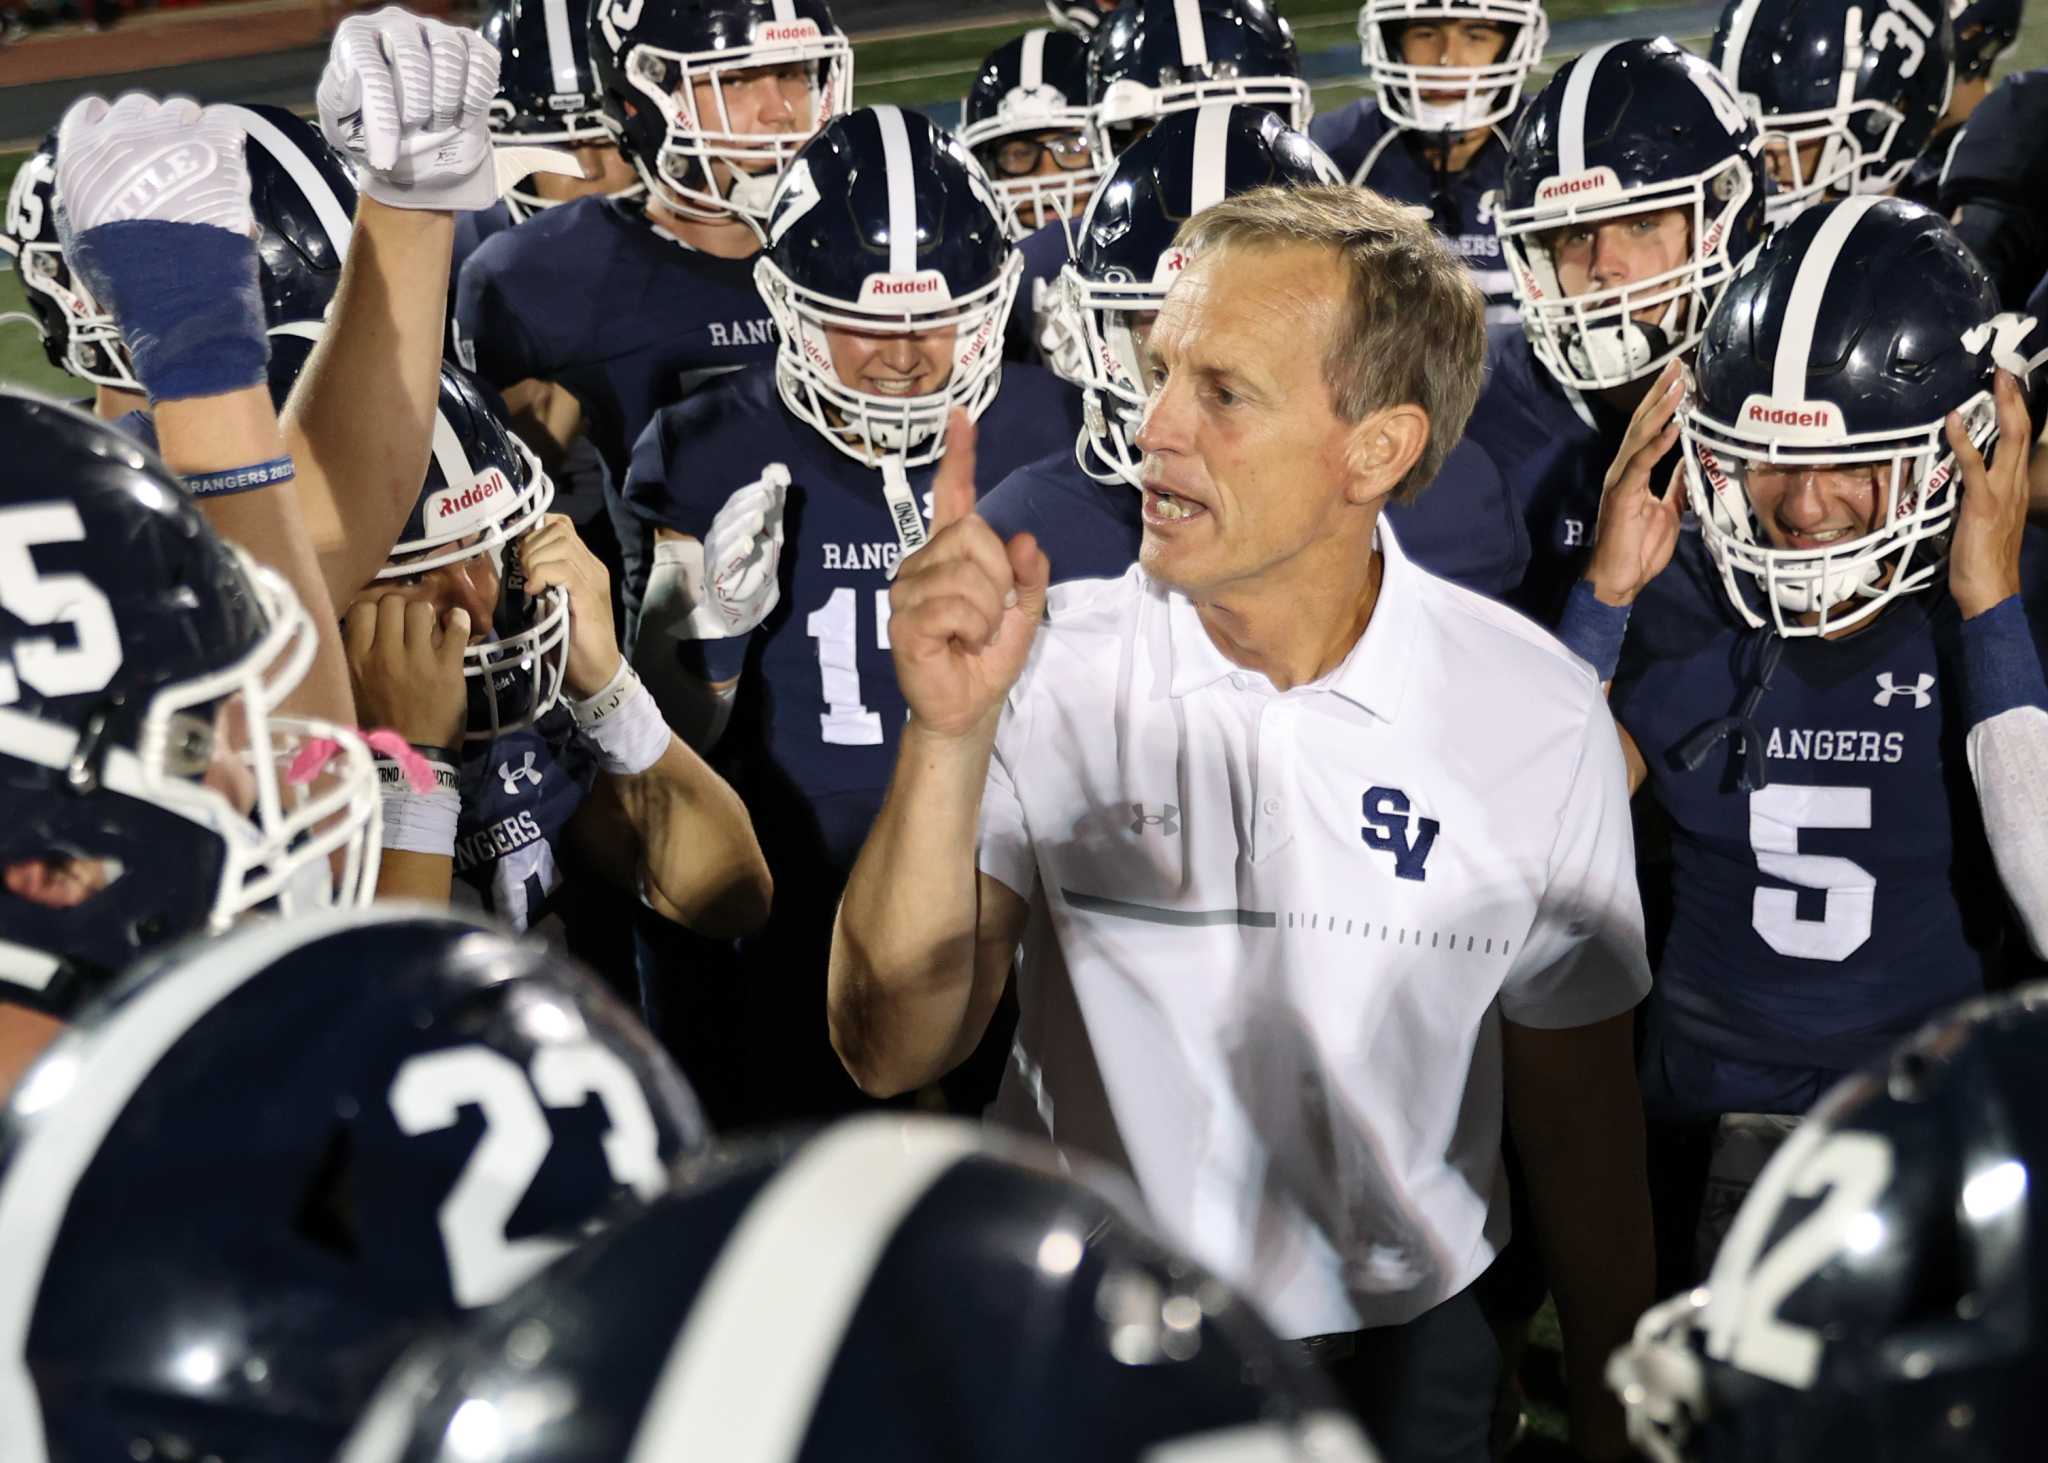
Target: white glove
742,550
171,162
407,99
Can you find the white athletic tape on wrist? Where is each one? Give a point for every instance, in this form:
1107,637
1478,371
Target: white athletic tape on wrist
419,822
622,725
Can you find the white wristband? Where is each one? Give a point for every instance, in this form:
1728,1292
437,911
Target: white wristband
622,725
418,822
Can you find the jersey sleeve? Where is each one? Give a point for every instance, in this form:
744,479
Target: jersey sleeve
491,338
1584,958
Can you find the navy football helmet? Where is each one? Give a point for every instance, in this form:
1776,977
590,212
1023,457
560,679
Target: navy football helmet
142,664
1125,259
547,95
1628,128
1488,94
484,492
304,200
886,225
1877,1297
1985,30
899,1288
652,59
1858,328
244,1182
1846,93
1151,58
1032,93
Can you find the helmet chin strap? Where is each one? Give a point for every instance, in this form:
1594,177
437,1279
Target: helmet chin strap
1455,117
1621,352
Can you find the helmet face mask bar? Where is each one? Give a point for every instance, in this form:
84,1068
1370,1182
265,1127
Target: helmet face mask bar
1845,163
1034,88
1110,322
79,336
1488,94
1595,340
1813,592
1127,106
684,174
1151,59
576,130
547,94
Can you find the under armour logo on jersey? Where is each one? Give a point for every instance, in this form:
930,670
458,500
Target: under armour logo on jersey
1389,829
514,775
1166,820
1887,688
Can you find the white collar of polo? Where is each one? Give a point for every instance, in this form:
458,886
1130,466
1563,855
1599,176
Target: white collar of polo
1374,676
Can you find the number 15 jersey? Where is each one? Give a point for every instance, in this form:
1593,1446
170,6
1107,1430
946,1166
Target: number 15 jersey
1820,917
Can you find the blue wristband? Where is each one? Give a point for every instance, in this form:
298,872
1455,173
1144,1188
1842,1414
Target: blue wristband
238,479
2001,666
1592,629
187,301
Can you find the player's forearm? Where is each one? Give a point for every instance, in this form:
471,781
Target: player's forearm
219,433
1578,1125
360,421
422,876
701,864
903,947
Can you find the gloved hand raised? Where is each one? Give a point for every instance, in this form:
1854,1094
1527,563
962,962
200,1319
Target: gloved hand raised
407,99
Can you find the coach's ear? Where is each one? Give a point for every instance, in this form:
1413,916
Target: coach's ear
1380,450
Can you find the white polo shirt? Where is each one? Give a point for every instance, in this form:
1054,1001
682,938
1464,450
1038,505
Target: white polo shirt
1273,933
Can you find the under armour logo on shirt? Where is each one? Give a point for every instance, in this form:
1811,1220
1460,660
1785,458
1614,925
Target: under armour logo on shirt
1389,829
1166,820
1887,688
514,775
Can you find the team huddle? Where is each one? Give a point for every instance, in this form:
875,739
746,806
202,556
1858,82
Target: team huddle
1399,712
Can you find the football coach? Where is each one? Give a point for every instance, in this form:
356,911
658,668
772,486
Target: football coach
1316,861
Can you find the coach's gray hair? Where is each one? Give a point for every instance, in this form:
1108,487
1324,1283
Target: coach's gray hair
1414,329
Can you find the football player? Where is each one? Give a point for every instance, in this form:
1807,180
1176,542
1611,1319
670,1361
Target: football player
601,311
889,277
1084,505
1634,187
1985,30
1895,1318
267,1163
1835,686
1995,185
952,1296
1079,17
1847,95
158,782
1448,76
1025,120
486,641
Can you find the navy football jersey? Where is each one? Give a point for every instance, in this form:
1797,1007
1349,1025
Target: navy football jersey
1923,179
519,792
1998,175
594,297
1821,917
1372,152
1553,446
817,674
1463,527
471,229
1045,255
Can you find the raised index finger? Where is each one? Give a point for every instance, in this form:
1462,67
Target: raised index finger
953,487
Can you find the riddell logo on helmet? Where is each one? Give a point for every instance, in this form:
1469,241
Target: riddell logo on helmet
1578,187
1808,421
927,285
465,502
782,32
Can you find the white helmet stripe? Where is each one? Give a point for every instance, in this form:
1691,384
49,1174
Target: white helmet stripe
744,1376
1212,132
1802,311
902,191
97,1082
448,454
1194,45
785,9
561,45
1740,19
311,181
1031,64
1571,116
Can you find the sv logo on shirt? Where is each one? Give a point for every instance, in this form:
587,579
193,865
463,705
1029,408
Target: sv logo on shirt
1389,829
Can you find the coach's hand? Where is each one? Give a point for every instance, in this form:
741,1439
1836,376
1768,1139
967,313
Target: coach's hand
406,667
1638,529
1984,560
964,607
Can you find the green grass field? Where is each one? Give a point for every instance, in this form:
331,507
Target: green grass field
938,67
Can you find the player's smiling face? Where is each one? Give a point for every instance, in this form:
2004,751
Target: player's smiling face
1810,508
892,363
1244,453
1618,252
